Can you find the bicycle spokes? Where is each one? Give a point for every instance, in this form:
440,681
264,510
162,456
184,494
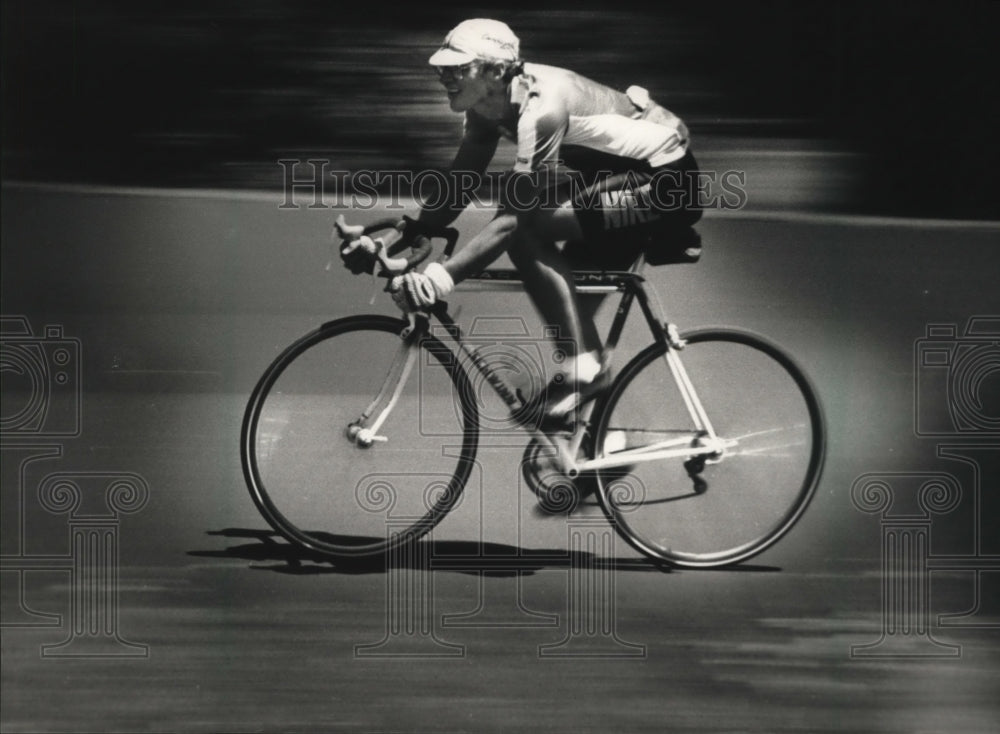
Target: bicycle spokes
352,382
732,460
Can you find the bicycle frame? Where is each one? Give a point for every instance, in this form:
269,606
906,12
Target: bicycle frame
631,285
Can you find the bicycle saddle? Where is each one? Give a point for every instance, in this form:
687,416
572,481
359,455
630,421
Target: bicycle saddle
677,247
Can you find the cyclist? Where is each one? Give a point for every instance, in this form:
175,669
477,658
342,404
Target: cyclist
603,171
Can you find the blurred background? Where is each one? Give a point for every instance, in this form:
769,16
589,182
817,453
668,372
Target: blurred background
178,300
878,107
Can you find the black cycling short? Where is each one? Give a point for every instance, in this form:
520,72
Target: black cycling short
627,213
642,198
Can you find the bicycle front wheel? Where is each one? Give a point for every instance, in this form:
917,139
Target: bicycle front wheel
333,490
680,502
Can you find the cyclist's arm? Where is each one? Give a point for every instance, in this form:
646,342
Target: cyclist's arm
540,132
473,157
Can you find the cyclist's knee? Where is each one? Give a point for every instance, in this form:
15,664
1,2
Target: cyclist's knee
524,241
533,227
503,224
526,233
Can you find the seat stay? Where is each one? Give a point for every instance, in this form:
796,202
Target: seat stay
690,396
665,334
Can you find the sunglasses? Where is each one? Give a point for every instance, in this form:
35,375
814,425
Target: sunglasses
455,72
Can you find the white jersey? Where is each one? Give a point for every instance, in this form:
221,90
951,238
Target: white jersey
555,107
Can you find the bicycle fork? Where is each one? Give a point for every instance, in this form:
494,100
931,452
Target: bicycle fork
395,380
364,435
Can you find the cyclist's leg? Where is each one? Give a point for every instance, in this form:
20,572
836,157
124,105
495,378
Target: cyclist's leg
582,223
548,276
583,255
615,217
482,250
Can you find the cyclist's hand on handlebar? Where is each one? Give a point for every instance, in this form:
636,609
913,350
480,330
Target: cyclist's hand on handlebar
420,291
363,254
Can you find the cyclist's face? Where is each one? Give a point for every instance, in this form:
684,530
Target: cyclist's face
464,84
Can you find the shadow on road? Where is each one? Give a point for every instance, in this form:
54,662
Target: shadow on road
459,556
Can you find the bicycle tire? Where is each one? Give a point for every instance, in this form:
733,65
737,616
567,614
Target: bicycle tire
737,499
289,421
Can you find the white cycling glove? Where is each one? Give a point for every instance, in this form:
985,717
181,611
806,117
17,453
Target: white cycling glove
419,291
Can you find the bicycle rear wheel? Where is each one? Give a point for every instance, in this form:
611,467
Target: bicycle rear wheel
696,510
328,492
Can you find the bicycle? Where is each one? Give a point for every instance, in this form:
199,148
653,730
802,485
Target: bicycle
361,435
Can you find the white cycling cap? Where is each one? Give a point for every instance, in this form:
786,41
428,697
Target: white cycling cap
478,38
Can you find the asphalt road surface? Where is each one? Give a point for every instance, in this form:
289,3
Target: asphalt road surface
180,611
